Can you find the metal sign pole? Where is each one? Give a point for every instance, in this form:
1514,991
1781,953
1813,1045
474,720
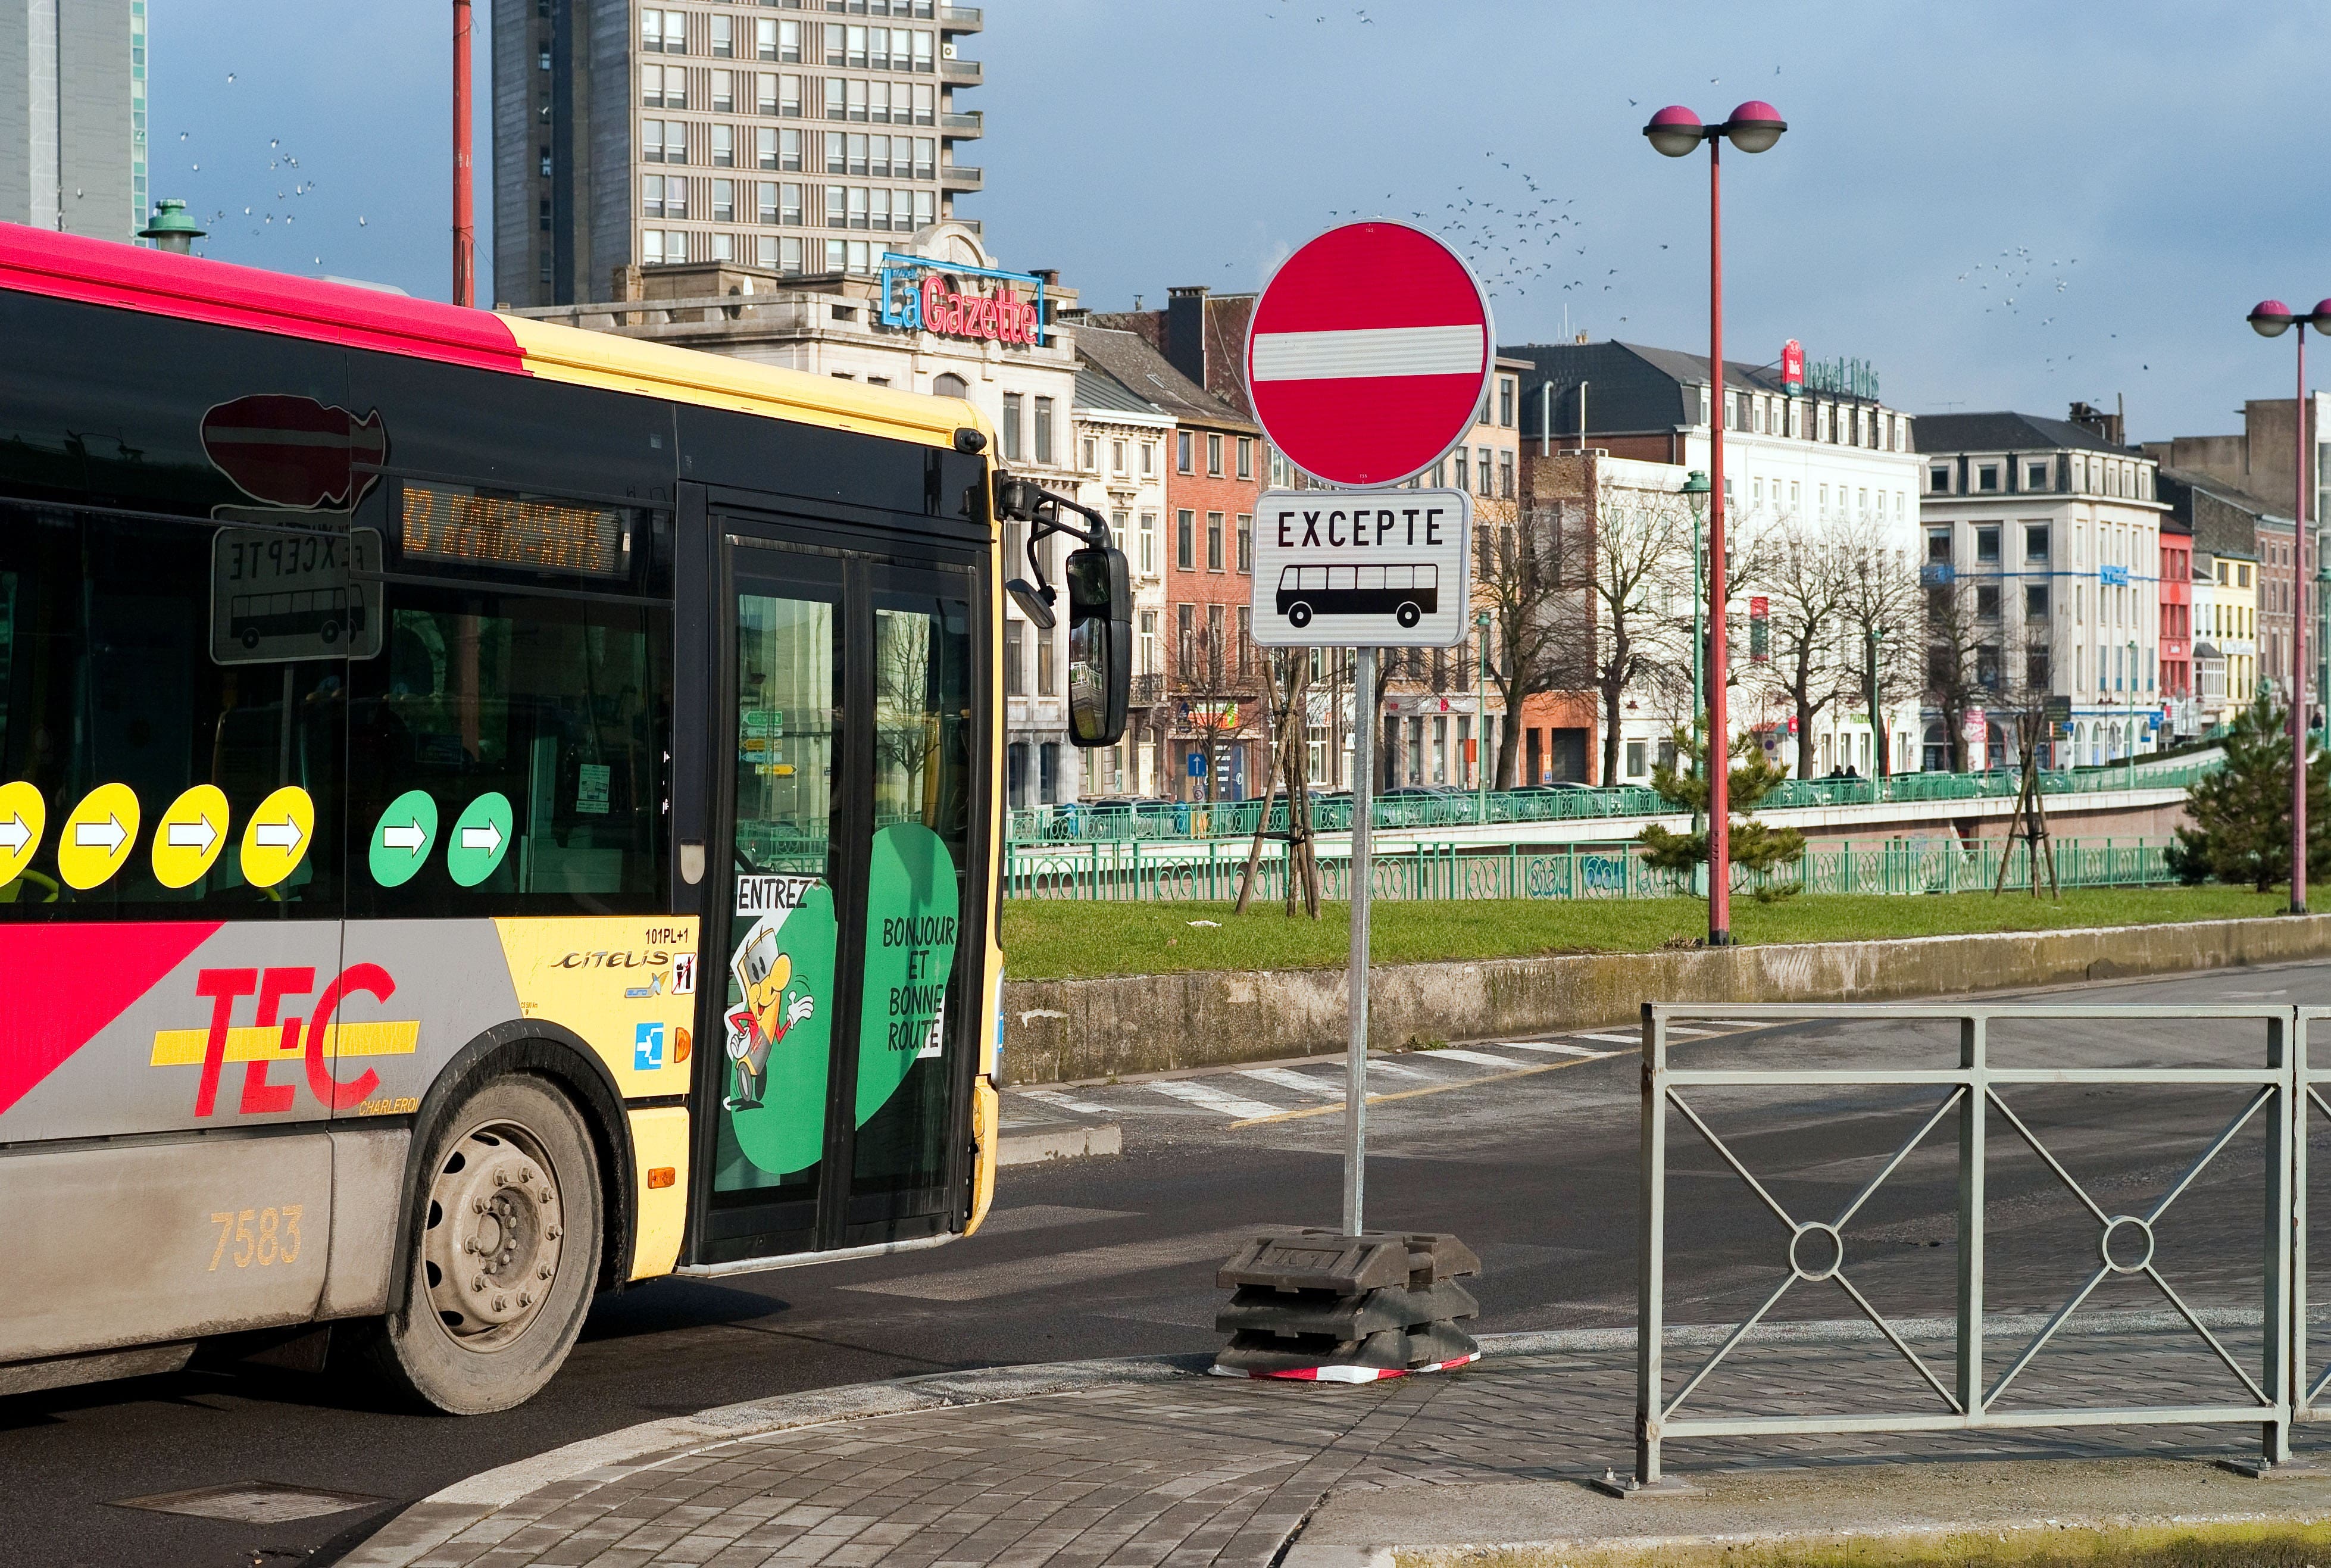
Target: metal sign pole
1355,1068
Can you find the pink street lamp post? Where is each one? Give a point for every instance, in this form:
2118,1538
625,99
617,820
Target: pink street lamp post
2272,318
1676,132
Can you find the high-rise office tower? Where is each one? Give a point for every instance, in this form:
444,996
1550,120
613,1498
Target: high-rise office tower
72,115
794,134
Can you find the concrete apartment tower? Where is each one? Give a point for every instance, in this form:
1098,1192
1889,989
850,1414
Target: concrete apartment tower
796,136
72,116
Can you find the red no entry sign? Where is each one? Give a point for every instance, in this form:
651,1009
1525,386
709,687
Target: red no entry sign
1368,354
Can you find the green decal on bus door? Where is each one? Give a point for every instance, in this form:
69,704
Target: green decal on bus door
780,1033
912,906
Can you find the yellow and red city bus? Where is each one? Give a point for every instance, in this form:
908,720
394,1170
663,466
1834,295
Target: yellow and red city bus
489,814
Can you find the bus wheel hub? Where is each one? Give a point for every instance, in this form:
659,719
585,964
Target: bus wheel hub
495,1247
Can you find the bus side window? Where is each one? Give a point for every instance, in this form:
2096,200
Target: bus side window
536,724
134,753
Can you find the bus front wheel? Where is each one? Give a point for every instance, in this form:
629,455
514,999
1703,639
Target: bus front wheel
505,1256
1298,615
1408,615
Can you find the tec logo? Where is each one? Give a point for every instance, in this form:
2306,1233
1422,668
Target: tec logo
308,1048
647,1047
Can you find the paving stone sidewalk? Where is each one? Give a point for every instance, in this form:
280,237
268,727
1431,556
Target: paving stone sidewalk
1191,1470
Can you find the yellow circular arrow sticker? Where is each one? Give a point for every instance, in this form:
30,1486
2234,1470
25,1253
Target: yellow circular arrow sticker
23,816
98,837
189,836
275,840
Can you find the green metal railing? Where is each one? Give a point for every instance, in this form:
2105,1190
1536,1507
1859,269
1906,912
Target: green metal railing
1192,820
1122,872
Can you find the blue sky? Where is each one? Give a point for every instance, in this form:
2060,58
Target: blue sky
2123,176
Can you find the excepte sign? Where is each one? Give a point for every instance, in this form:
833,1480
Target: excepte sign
1368,354
1375,569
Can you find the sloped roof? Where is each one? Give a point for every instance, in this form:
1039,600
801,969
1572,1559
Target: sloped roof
1148,376
1098,390
2004,432
1631,386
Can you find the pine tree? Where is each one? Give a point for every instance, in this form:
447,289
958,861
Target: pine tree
1752,844
2242,810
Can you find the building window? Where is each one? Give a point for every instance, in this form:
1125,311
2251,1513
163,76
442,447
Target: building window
657,36
926,105
1635,759
1148,460
724,38
724,91
1505,475
1986,601
1986,477
2035,601
2035,478
1214,454
1183,440
1185,548
1047,676
1939,545
1482,473
1506,403
1246,457
651,201
1044,430
1185,639
1148,556
724,147
724,200
1015,661
1939,480
1246,544
1011,402
1089,452
1117,457
1214,541
1462,470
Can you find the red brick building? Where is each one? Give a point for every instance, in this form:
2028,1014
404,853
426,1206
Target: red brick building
2177,621
1211,702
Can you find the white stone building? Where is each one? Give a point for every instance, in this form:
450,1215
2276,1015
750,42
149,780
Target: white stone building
2057,531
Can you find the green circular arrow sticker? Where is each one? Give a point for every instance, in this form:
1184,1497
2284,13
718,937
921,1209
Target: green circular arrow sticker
401,839
479,840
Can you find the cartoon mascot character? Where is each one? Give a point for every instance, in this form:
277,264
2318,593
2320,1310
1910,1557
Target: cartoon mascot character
765,973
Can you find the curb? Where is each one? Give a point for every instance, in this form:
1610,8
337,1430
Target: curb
441,1515
423,1526
1070,1141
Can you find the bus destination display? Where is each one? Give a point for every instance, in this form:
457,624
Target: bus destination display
451,523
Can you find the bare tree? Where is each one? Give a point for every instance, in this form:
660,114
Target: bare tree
1808,577
1222,681
1882,609
1628,632
1970,664
1534,611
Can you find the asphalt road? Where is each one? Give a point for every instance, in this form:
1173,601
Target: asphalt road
1525,1152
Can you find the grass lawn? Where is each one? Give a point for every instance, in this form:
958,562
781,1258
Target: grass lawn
1064,939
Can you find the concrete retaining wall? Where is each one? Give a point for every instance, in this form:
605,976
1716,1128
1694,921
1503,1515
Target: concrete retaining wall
1066,1030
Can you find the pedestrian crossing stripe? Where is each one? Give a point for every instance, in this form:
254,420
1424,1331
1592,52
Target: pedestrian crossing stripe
1301,1083
1478,1058
1213,1100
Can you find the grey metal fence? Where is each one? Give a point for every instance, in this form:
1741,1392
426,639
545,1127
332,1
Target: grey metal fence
2282,1387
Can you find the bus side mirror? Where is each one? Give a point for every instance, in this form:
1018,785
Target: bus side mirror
1100,645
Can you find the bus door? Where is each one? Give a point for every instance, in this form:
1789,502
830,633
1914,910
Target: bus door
840,978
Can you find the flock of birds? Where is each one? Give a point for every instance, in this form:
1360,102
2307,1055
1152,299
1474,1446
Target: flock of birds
262,216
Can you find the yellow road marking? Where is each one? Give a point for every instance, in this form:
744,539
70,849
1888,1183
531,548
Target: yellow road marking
1410,1093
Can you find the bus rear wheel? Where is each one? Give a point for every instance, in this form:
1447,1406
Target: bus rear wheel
503,1263
1408,614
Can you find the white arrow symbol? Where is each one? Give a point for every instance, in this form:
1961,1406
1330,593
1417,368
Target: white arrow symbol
405,838
195,835
282,835
488,838
14,834
105,835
